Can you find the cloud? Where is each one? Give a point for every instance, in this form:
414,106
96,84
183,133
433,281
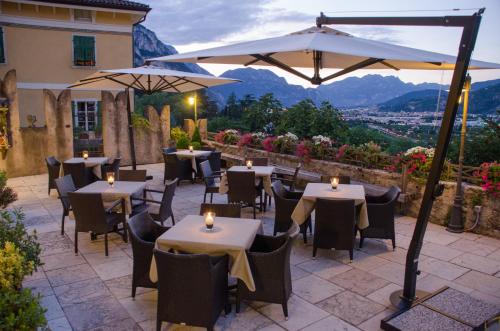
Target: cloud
181,22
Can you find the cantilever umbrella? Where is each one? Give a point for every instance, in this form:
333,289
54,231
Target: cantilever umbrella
148,79
323,48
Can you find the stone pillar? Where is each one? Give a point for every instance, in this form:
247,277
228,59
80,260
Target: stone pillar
165,126
50,108
189,126
58,120
110,131
202,125
123,142
154,134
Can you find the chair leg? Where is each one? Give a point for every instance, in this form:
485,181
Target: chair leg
254,215
351,254
211,197
393,243
125,236
205,197
158,324
260,203
304,233
314,251
173,220
361,239
62,223
76,242
133,287
237,308
106,244
285,309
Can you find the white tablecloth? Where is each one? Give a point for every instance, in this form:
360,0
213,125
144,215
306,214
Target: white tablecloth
314,191
232,236
186,154
263,172
91,162
120,189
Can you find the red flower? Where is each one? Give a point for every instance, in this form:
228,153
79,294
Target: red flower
245,140
268,144
341,152
219,137
302,151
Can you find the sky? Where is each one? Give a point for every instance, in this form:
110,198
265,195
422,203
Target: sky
191,25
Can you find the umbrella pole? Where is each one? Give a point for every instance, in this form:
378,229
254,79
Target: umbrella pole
130,131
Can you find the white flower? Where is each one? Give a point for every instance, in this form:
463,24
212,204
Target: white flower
291,136
259,135
429,152
318,140
231,131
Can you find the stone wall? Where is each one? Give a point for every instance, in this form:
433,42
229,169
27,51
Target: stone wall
30,146
489,223
202,126
148,141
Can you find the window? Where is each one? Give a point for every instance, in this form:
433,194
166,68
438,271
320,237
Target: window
82,15
2,47
85,115
84,51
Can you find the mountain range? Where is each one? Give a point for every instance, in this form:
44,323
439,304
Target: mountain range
387,93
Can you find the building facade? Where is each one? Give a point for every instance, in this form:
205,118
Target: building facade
52,44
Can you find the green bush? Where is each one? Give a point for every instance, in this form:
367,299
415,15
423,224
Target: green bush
177,133
182,142
21,310
140,122
196,145
12,230
196,138
7,195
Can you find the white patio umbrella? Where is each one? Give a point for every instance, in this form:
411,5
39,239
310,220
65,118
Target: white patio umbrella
148,79
323,48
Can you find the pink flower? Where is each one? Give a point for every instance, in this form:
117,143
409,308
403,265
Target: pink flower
302,151
245,140
341,152
219,137
268,144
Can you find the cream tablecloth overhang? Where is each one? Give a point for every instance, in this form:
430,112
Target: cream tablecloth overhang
120,189
314,191
91,162
186,154
232,236
263,172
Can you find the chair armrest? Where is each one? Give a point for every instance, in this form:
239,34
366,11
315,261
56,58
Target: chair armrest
115,204
152,190
294,195
145,200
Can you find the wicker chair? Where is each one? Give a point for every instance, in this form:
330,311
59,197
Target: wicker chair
64,185
287,180
221,209
54,169
209,176
269,259
111,167
143,232
334,225
342,179
192,288
208,148
82,176
242,189
258,161
177,168
285,202
215,160
165,211
90,215
132,175
169,150
381,216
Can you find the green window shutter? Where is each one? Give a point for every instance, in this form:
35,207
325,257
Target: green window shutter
2,51
84,50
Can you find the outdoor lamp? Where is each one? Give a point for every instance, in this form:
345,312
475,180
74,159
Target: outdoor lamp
209,220
85,154
249,164
191,100
335,182
111,178
190,148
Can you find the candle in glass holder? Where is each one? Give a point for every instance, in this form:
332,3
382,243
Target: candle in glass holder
111,178
190,148
335,182
249,164
209,220
85,154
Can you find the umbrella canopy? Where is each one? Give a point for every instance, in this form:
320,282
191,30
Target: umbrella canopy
323,48
150,79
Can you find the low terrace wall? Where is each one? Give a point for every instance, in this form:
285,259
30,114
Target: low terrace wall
490,216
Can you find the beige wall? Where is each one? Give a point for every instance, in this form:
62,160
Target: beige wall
45,56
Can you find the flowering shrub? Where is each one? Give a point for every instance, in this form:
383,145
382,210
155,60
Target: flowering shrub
258,138
286,143
341,152
322,147
302,151
229,137
428,152
268,144
13,266
490,176
417,160
245,140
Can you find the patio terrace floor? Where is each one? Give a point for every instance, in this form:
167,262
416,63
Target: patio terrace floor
92,292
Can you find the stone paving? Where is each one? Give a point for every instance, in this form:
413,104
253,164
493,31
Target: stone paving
92,292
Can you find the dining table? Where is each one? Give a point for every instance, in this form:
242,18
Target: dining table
192,155
231,236
261,172
90,162
120,189
314,191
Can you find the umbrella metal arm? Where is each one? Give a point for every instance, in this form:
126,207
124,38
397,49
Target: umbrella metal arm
433,188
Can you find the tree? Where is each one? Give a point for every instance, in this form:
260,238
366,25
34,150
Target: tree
232,109
260,114
329,122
